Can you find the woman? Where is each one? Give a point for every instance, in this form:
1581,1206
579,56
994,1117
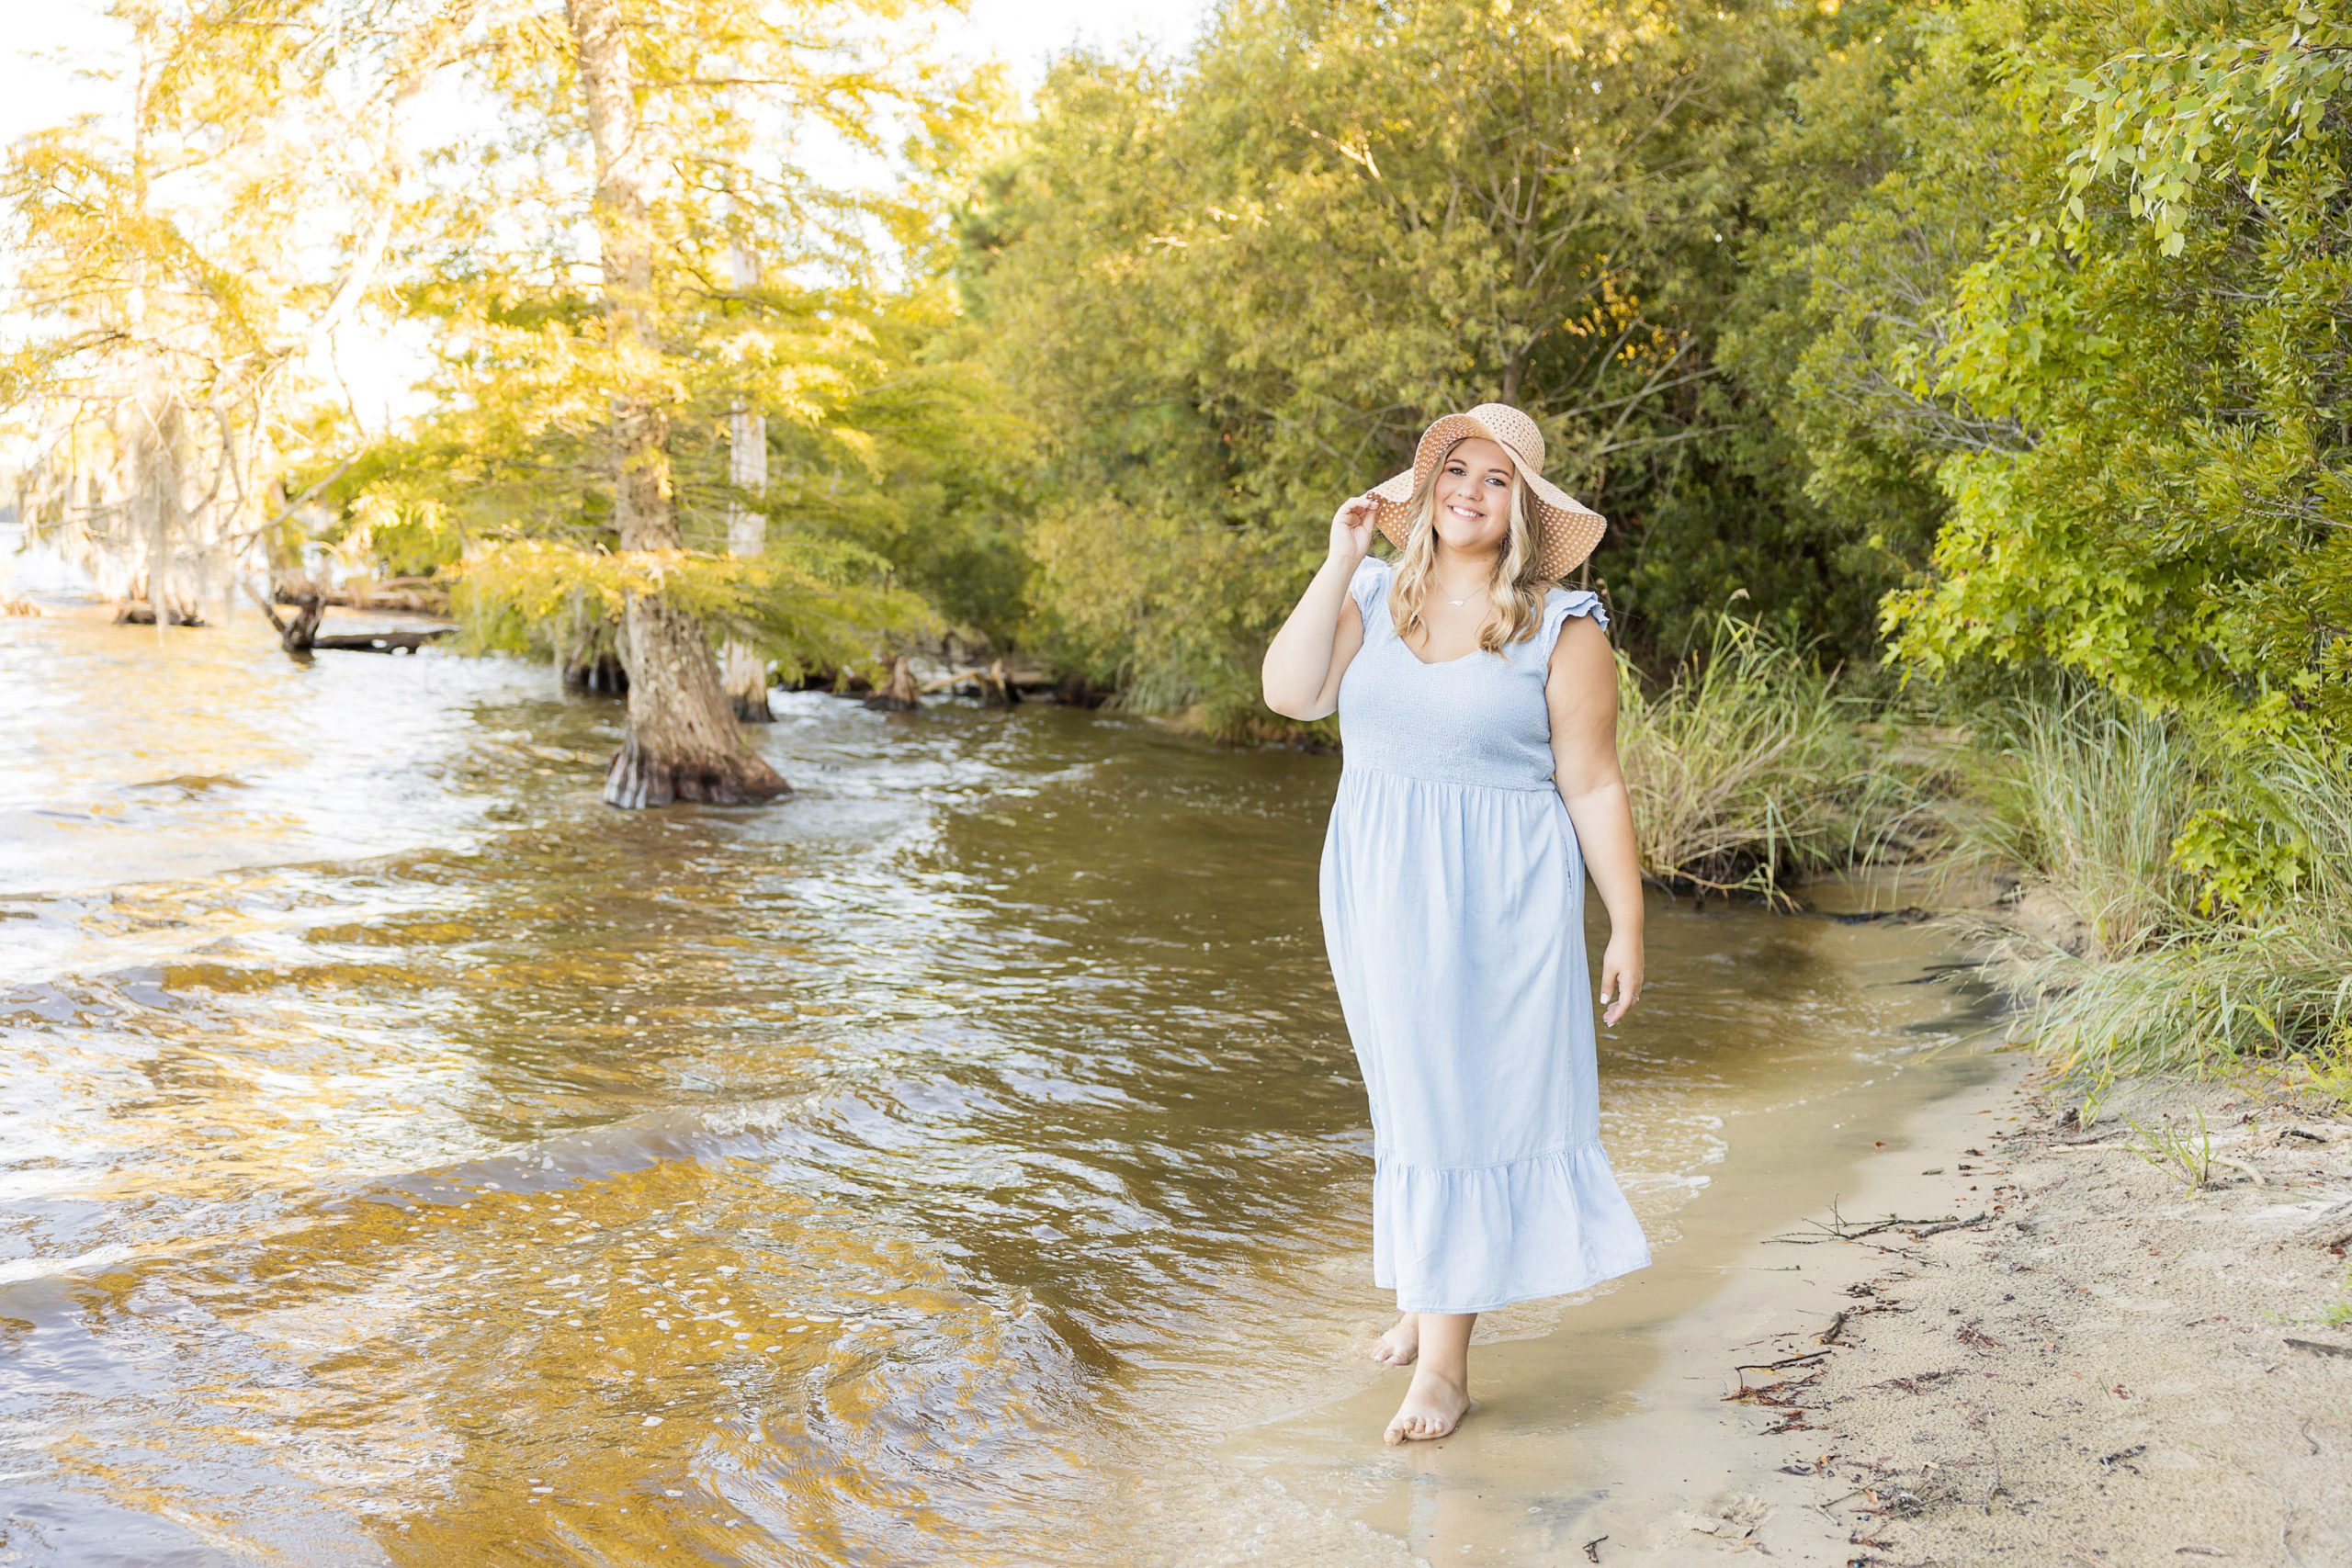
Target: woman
1478,703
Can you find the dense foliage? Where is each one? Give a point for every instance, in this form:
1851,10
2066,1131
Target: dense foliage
1234,289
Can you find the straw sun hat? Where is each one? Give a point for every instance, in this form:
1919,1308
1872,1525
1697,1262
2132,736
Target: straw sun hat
1567,529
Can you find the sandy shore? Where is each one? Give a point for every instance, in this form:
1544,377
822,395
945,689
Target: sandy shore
2093,1366
1919,1315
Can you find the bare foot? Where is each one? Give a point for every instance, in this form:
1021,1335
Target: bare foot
1400,1345
1433,1408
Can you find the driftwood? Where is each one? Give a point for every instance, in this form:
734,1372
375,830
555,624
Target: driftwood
2318,1346
301,635
382,642
995,685
1840,1228
1976,1219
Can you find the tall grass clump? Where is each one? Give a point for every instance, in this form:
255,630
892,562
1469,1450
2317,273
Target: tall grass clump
1747,771
2086,799
2178,968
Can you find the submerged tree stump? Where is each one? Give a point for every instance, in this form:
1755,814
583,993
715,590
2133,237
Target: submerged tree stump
301,635
682,742
639,777
745,675
898,694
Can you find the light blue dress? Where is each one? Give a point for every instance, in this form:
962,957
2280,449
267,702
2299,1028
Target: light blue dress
1453,909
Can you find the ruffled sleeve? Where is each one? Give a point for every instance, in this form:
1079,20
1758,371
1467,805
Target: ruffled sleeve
1558,605
1369,588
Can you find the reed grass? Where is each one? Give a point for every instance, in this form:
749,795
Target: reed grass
2086,798
2171,980
1748,771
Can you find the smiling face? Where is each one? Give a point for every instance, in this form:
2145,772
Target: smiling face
1471,496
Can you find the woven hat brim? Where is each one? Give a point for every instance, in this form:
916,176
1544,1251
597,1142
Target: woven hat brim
1567,530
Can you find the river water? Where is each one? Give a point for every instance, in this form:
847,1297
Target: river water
404,1158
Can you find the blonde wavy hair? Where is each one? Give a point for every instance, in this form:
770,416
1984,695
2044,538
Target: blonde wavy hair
1514,594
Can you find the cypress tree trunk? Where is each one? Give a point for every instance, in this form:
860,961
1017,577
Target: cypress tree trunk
746,673
683,741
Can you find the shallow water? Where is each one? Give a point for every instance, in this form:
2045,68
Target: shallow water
404,1158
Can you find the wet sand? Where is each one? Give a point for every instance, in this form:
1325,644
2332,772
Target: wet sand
2091,1366
1587,1405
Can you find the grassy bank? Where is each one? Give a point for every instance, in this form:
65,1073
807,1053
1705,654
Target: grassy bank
2173,902
2181,907
1751,768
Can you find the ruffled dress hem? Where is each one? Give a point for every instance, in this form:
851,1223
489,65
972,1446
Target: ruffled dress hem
1550,1224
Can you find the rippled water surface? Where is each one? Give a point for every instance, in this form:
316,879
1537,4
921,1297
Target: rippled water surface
404,1158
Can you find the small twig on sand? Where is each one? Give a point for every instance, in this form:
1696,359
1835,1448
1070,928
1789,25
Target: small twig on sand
1837,1326
1840,1228
1792,1361
1976,1219
1919,1381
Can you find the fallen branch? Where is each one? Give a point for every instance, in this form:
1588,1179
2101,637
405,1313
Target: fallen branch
1976,1219
1840,1228
381,642
1776,1366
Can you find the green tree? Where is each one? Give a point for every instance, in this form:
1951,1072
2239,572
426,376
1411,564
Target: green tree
2063,291
635,277
2169,338
1237,289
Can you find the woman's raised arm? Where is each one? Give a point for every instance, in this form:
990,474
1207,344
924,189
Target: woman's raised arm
1307,657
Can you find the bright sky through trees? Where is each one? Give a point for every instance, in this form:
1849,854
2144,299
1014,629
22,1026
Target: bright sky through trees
35,92
39,88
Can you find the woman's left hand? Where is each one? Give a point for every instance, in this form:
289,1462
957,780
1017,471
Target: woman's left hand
1620,976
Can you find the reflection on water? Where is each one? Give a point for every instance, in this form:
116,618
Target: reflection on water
404,1158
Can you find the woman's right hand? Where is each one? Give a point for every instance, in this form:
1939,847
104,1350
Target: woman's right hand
1352,529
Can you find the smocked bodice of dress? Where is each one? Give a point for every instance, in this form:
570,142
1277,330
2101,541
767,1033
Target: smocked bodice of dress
1480,719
